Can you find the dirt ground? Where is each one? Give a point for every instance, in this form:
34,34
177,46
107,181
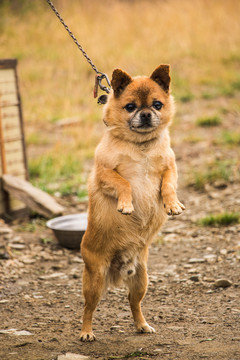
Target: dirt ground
194,317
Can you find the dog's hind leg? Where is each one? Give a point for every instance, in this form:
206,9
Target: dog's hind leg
137,289
93,286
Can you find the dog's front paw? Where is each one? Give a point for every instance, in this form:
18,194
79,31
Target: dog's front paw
145,328
87,336
124,207
173,207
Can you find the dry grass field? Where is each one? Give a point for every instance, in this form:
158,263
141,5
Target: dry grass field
200,39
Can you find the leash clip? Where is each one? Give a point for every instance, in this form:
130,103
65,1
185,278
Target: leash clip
98,83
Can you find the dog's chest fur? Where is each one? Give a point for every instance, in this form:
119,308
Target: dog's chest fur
144,177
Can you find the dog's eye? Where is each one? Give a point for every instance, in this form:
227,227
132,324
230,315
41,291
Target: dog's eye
157,105
130,107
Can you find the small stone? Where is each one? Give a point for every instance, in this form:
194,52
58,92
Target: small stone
209,249
220,184
194,234
170,237
4,256
153,279
237,311
53,276
22,333
18,239
175,328
17,246
196,261
183,342
195,278
5,230
4,301
115,327
77,259
28,261
214,195
192,271
223,252
170,270
46,256
222,283
38,296
15,332
211,258
209,280
71,356
8,236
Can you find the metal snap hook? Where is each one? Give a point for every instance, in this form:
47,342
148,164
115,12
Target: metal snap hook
98,83
101,77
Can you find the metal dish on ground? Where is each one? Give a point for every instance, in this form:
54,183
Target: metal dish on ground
69,229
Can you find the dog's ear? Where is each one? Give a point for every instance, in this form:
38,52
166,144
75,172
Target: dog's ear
161,77
120,80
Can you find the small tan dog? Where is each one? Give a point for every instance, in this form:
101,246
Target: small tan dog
135,175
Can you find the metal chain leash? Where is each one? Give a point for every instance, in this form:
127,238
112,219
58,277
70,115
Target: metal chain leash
100,76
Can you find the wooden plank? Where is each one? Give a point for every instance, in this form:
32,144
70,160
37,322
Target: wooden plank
12,147
36,199
2,147
8,63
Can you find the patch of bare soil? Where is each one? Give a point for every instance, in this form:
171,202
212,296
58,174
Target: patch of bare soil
195,315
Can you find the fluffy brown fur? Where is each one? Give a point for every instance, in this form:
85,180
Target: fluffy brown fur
135,175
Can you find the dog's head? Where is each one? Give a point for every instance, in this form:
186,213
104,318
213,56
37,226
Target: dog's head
138,109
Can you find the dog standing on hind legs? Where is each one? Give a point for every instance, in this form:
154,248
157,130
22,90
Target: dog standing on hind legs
134,174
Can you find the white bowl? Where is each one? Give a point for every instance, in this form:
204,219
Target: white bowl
69,229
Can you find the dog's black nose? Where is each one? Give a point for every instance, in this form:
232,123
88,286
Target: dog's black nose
146,118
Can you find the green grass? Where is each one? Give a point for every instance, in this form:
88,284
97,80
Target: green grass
193,139
236,85
187,97
208,95
227,91
209,121
229,138
220,88
36,139
32,225
223,219
46,240
218,170
54,166
58,172
231,89
232,58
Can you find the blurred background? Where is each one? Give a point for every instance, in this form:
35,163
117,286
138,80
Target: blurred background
201,41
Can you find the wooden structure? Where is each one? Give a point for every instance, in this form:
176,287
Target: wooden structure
12,146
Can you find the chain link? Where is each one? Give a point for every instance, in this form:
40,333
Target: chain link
100,75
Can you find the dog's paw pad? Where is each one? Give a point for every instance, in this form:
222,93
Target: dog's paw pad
146,329
125,208
87,337
174,208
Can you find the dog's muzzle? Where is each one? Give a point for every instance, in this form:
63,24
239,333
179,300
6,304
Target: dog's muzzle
144,121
